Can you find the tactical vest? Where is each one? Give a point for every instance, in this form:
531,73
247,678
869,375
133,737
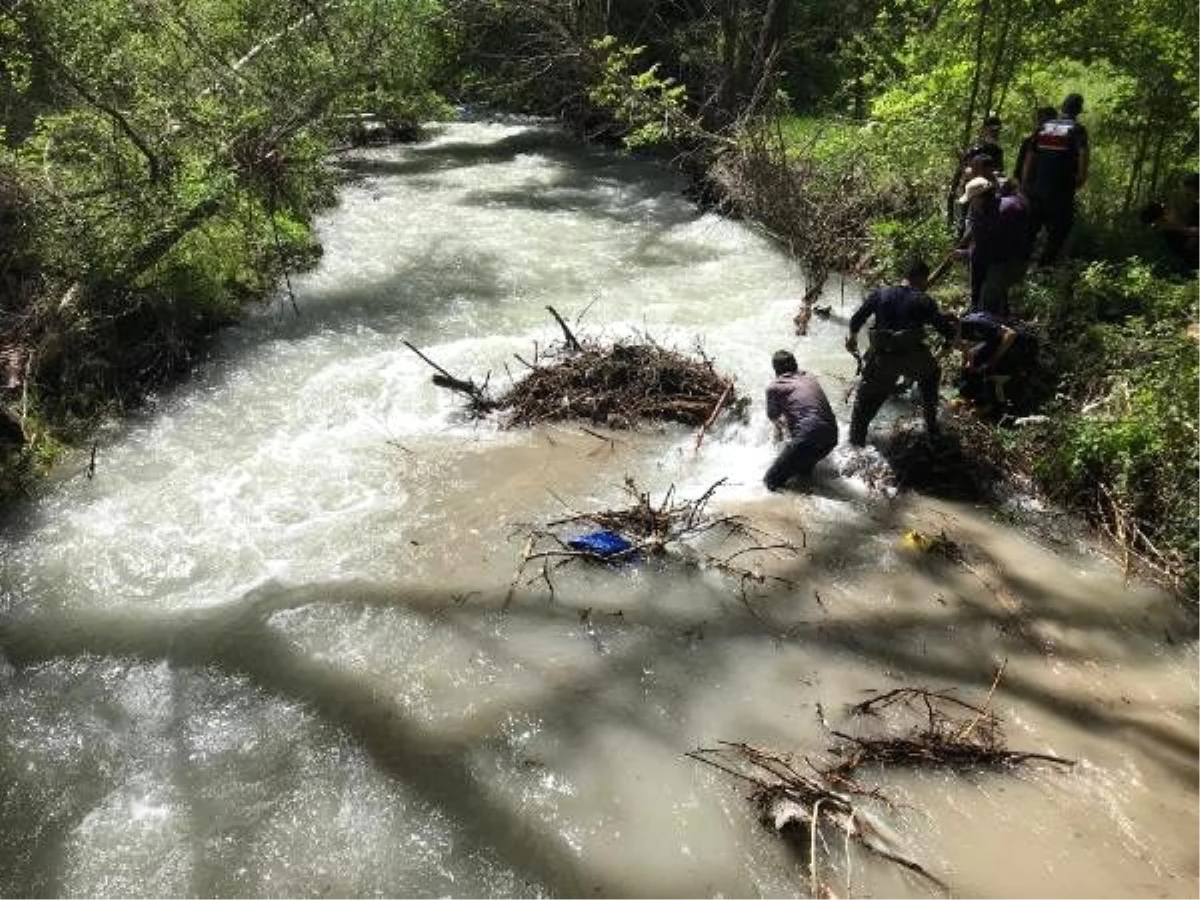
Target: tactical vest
1056,156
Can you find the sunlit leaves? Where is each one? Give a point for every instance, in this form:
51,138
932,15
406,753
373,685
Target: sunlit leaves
149,109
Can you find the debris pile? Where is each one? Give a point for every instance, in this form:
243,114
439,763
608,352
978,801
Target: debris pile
667,529
618,386
955,466
944,731
803,801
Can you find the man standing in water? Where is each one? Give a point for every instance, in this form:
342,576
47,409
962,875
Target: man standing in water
897,348
800,411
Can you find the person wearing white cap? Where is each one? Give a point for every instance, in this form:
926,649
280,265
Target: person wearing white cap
996,243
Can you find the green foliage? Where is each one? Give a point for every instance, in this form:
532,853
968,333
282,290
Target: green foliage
167,159
894,242
650,106
1123,438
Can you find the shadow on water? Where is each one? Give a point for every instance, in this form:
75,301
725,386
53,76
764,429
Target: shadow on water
428,158
235,639
411,298
577,184
908,635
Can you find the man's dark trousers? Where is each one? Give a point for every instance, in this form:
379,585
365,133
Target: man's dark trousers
798,457
1057,215
880,372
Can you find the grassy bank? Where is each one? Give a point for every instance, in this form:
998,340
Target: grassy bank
1118,327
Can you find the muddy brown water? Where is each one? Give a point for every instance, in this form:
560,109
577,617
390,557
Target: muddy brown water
264,652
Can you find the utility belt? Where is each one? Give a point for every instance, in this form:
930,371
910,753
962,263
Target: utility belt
896,342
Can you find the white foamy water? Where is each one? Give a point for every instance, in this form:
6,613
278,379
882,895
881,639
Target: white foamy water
265,651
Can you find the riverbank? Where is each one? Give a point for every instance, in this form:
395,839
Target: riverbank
266,648
1116,321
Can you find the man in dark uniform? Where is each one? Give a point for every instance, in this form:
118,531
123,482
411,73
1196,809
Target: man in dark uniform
897,347
999,358
800,411
1055,169
1041,116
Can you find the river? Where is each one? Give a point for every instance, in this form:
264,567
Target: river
265,650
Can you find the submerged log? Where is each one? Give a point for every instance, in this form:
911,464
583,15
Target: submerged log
480,401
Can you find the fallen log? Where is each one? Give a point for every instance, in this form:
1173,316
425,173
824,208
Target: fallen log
480,401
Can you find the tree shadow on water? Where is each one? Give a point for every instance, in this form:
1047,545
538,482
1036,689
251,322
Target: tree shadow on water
958,641
235,639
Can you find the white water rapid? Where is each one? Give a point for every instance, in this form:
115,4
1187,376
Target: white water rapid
264,652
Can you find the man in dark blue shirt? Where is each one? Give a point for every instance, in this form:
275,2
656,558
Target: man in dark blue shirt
897,348
999,357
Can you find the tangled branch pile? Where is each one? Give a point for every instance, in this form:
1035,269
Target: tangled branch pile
653,530
818,211
617,386
801,806
949,732
801,800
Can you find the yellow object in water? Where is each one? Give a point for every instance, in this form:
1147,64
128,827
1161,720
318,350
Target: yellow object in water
924,543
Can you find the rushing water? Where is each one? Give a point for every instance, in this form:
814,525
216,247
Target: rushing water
265,652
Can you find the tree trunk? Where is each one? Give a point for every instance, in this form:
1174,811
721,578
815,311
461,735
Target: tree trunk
1156,164
160,245
981,28
1139,163
997,58
765,51
727,96
153,164
969,118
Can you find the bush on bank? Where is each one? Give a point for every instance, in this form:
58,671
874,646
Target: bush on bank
1121,442
160,172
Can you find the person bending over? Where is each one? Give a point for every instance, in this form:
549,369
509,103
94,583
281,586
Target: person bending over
1179,222
897,347
801,414
999,360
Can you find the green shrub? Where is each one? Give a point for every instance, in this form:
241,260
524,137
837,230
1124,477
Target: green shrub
896,241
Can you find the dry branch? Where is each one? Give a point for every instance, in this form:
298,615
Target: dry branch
663,529
477,395
801,805
942,731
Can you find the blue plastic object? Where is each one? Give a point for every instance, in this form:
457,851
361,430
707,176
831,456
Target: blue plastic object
602,543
